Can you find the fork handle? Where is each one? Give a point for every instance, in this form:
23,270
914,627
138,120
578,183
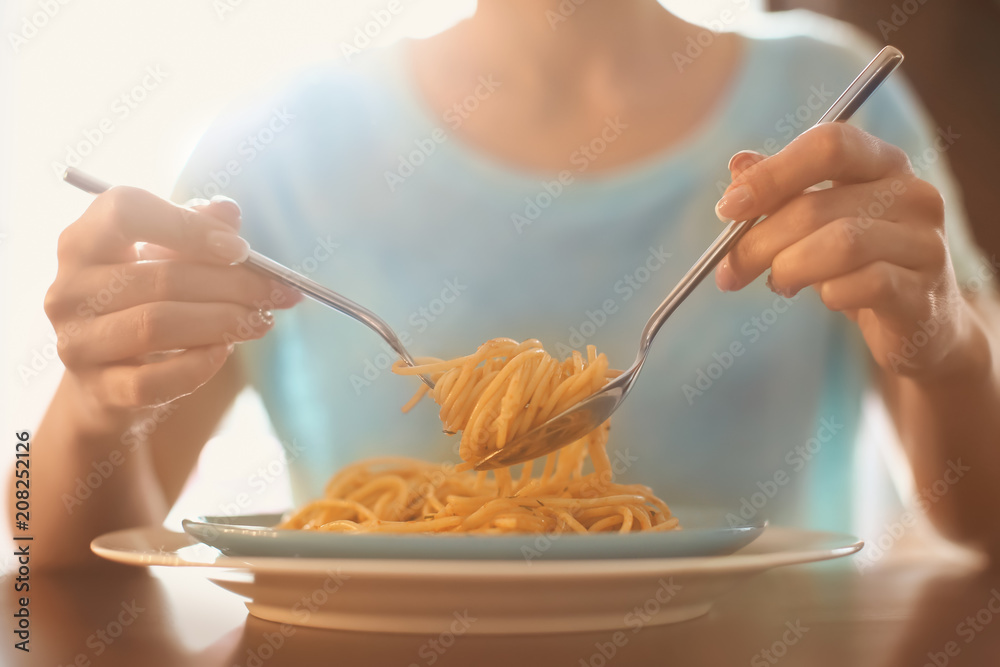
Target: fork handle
887,60
309,287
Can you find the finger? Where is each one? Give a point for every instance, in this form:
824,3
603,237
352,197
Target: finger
105,289
221,208
148,385
849,313
163,326
848,244
743,161
890,290
827,152
801,217
225,209
123,216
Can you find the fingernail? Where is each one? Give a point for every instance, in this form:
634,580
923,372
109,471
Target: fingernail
197,201
267,317
733,204
786,293
227,200
744,160
228,246
725,279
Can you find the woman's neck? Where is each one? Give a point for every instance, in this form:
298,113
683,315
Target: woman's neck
561,38
559,77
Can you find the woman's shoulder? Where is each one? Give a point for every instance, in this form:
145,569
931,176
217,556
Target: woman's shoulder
798,53
320,96
319,118
807,48
796,34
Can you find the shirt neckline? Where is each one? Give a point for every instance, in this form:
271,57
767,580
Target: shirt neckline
699,146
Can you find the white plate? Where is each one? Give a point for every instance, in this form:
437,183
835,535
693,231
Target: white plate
504,597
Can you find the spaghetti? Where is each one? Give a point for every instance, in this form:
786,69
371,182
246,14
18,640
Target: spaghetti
503,390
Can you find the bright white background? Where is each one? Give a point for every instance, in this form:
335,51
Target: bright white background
62,80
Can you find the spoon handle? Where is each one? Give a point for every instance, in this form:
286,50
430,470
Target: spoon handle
286,276
887,60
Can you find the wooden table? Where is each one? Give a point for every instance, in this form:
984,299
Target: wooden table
910,611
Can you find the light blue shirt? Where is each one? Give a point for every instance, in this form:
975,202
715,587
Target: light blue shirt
747,399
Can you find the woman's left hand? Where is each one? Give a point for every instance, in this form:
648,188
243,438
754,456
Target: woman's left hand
873,245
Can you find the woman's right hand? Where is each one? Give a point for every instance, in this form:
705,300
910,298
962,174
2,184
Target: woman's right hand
138,276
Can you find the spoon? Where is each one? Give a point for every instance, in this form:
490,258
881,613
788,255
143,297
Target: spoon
286,276
591,412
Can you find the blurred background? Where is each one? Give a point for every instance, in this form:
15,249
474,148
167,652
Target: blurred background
64,66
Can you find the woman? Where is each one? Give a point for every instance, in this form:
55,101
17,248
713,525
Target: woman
527,176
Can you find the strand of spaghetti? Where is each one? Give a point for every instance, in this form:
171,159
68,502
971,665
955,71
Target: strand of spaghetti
419,526
607,523
410,404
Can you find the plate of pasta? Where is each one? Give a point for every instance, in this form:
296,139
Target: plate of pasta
386,507
556,545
